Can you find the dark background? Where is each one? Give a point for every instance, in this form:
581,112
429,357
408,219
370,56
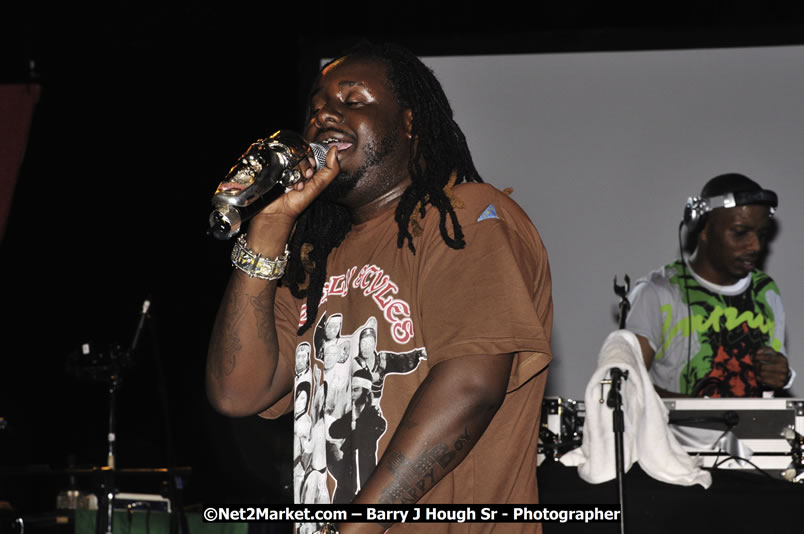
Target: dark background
144,107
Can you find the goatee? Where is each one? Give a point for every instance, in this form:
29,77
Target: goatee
346,181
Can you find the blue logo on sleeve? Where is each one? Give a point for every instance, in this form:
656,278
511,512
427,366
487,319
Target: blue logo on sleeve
488,213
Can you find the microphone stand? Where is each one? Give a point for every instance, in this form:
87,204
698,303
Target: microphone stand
615,402
108,367
108,483
105,516
625,305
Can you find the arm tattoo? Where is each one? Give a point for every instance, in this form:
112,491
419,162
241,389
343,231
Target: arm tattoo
226,340
413,478
462,440
264,313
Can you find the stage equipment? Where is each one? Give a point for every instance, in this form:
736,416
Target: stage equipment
749,435
107,366
795,472
561,427
137,501
741,433
265,171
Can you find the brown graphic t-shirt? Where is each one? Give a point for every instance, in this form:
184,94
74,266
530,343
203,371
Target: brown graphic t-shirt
387,317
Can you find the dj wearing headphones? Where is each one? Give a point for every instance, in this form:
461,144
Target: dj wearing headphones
713,324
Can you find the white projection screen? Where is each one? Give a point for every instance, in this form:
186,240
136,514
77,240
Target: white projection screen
602,150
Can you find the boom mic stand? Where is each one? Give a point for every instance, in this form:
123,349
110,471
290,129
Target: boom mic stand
108,367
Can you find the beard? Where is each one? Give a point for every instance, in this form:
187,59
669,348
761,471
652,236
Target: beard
375,154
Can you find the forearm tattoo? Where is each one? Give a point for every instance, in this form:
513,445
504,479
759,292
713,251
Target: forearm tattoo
264,313
226,341
413,478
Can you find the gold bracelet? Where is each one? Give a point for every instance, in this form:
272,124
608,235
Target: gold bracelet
255,265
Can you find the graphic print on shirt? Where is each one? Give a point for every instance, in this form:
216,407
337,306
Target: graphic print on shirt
345,420
730,329
309,463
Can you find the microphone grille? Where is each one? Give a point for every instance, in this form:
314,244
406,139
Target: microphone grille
320,155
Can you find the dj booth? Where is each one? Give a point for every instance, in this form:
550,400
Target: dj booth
761,493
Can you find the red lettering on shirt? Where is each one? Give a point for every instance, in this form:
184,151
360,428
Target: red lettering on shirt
402,331
379,286
303,315
380,297
338,286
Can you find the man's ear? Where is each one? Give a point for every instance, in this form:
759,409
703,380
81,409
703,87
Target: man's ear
703,236
407,117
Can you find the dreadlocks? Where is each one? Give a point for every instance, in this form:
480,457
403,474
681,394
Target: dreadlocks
439,159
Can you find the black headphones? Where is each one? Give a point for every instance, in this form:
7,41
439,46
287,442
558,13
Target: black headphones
696,208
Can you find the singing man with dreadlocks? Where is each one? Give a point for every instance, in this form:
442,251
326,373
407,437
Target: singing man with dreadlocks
396,234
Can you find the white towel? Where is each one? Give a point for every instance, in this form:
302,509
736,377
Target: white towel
646,438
